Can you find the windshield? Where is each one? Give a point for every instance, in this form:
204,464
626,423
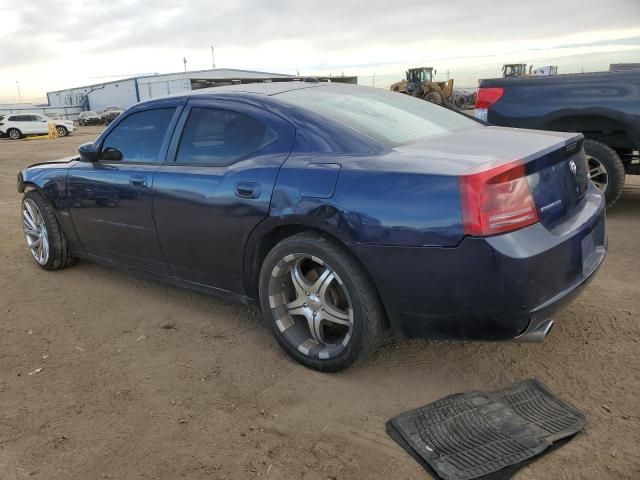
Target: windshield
390,117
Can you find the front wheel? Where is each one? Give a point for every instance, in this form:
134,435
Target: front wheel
45,238
434,97
319,303
62,131
606,170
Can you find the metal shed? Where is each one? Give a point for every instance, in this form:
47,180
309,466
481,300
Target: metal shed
129,91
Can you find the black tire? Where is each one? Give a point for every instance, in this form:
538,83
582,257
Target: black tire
59,254
62,131
434,97
369,322
14,134
612,164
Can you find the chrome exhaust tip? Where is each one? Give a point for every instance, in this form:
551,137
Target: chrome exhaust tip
537,335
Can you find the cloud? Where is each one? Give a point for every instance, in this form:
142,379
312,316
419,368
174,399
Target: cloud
123,24
83,39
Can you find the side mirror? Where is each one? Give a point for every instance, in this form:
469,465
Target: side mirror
111,154
89,152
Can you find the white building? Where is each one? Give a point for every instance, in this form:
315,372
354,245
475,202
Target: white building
129,91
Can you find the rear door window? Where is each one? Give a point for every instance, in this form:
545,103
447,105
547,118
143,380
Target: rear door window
221,137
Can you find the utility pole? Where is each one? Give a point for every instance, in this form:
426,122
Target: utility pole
184,60
19,94
213,58
374,79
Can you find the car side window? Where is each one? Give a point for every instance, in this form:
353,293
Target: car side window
138,138
221,137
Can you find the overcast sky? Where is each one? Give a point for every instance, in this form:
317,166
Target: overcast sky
48,45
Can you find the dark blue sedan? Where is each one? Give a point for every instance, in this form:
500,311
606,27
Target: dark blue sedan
340,210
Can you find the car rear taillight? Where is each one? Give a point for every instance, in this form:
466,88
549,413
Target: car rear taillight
485,97
496,200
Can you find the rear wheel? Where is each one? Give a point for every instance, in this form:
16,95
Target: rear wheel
45,238
14,134
606,170
319,304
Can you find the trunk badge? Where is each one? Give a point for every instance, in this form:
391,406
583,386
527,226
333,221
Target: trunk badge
573,167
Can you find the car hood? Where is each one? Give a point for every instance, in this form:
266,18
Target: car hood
456,153
51,164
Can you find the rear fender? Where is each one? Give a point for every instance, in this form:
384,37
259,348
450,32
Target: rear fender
572,116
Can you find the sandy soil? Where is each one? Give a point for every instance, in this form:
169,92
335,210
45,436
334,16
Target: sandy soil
142,380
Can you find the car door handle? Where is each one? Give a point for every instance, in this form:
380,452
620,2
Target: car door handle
248,190
138,181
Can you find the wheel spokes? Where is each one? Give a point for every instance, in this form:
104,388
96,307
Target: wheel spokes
300,282
29,216
45,247
333,315
598,174
314,329
322,283
30,231
316,307
35,230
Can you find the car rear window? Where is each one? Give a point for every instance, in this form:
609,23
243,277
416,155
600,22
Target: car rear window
390,117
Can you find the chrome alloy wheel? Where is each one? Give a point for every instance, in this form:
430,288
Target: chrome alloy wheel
598,173
35,230
310,305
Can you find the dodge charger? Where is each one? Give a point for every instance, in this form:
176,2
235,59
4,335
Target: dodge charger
341,211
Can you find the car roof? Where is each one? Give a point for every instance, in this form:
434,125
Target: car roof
269,89
257,91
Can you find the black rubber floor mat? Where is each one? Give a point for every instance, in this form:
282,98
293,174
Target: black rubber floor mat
487,435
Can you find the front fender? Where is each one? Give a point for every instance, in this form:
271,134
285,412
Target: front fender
50,180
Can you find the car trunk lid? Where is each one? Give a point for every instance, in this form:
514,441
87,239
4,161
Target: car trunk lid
554,163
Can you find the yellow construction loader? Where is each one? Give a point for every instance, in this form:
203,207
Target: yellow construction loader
419,83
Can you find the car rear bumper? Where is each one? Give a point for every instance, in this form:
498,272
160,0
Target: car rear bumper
494,288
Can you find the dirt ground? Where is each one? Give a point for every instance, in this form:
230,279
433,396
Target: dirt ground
143,380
